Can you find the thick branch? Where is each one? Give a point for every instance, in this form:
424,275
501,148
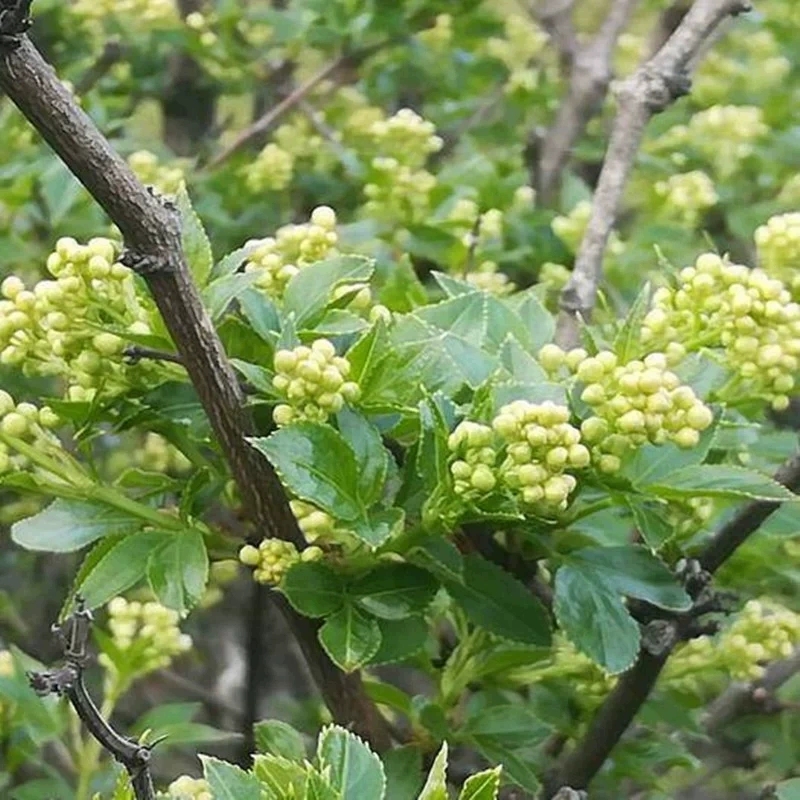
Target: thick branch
648,91
590,77
555,16
622,705
151,230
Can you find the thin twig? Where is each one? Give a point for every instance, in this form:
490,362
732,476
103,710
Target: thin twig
111,54
151,230
590,77
134,354
634,687
648,91
555,16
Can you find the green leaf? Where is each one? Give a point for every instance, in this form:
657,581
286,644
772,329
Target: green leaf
310,291
394,591
594,618
633,571
403,768
219,294
522,366
651,519
435,787
627,342
261,313
452,287
67,525
538,321
439,556
721,480
279,777
229,782
123,566
350,637
788,790
432,453
372,458
499,603
355,770
511,726
316,464
400,639
196,247
234,260
379,526
482,786
314,589
279,738
178,571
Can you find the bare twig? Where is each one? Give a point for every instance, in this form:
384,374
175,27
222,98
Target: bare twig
648,91
634,687
590,77
151,230
67,680
135,353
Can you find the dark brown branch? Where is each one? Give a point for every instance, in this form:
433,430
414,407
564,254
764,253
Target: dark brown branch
624,702
151,230
134,354
648,91
112,53
590,76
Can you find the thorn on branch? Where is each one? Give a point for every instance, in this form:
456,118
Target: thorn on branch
134,354
67,680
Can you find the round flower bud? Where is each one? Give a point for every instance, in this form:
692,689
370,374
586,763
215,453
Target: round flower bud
14,424
6,403
483,478
687,438
107,344
324,216
551,357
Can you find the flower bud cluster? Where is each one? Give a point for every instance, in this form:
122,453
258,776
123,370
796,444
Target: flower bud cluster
273,558
56,327
524,40
27,422
188,788
149,629
405,137
778,245
314,382
167,180
156,454
278,259
687,195
689,517
396,192
489,279
140,15
272,170
633,403
571,227
762,632
535,446
744,312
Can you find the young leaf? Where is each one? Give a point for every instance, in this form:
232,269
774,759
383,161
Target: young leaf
721,480
594,618
482,786
355,771
350,637
394,591
651,520
314,589
435,787
403,768
123,566
317,465
627,341
196,247
229,782
279,738
511,726
279,777
178,570
499,603
372,458
67,525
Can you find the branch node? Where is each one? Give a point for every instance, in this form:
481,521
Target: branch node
146,264
15,20
659,637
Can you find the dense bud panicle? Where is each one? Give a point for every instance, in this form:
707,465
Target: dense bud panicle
272,559
188,788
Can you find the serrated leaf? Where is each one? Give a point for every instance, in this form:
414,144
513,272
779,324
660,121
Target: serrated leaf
123,566
400,639
261,313
435,787
234,260
521,365
788,790
355,770
453,287
439,556
317,465
350,637
229,782
432,452
219,294
499,603
379,526
314,589
482,786
535,317
633,571
372,458
594,618
651,519
721,480
310,291
196,247
510,726
403,768
67,525
627,342
178,570
279,777
394,591
279,738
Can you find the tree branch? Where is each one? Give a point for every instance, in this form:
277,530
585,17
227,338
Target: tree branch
634,687
590,76
151,230
555,16
648,91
